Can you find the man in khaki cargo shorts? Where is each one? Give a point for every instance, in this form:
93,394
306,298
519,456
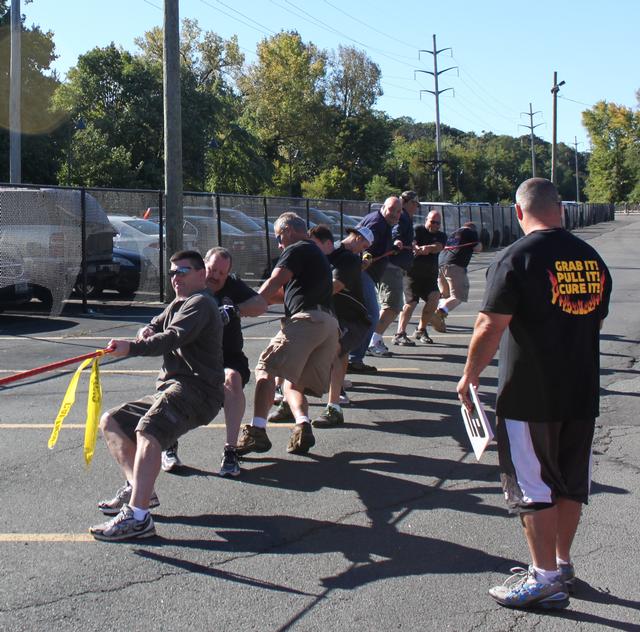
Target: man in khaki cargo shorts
303,351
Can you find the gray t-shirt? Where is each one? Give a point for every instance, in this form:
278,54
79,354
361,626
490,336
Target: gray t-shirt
189,337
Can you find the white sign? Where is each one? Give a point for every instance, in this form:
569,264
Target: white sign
477,425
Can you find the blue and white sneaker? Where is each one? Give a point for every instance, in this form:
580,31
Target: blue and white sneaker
523,590
568,576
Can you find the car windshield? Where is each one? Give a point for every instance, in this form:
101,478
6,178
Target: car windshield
143,225
241,221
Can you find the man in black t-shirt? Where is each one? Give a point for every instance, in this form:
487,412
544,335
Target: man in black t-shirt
421,281
303,350
546,297
348,299
235,299
453,281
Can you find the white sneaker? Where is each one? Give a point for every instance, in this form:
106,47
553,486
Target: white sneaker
379,350
170,459
344,398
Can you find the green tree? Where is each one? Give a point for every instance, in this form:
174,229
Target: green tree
330,183
614,131
354,82
379,188
284,105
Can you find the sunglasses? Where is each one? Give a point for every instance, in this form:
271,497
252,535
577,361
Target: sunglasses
434,222
181,271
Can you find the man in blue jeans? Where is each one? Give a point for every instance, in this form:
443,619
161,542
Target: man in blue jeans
375,259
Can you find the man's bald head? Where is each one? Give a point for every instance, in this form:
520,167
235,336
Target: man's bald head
538,196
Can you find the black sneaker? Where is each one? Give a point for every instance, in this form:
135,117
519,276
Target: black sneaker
281,415
421,335
329,418
253,439
360,367
402,340
230,465
301,439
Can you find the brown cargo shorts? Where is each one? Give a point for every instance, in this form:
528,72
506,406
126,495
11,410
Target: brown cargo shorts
303,351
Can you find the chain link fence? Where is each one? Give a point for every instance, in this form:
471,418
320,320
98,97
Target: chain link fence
58,242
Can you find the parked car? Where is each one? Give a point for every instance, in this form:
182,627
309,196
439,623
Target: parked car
15,288
44,227
347,220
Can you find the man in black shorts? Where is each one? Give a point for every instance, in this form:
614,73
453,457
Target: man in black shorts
304,349
349,305
453,281
235,299
546,297
421,281
188,334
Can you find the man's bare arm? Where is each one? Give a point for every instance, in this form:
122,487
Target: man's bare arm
279,278
253,306
484,343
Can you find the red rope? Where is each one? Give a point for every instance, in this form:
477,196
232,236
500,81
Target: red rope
51,367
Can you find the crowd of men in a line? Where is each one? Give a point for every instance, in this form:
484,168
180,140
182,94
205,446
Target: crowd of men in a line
339,299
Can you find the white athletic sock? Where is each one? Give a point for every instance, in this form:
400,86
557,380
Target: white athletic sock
139,514
546,577
336,407
441,303
259,422
375,338
303,419
561,561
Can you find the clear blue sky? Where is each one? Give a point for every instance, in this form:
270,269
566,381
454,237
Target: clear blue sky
506,51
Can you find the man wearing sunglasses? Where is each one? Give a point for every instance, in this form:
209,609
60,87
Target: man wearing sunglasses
421,281
303,351
189,393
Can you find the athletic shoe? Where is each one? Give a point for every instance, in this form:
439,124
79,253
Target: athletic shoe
329,418
568,576
523,590
113,506
343,399
379,350
124,527
301,439
346,383
170,459
279,395
437,320
360,367
253,439
421,335
229,465
282,414
402,340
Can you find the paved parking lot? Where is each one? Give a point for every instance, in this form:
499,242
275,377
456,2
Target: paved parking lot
389,523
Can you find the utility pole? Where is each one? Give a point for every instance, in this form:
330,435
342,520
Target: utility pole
575,144
172,133
531,127
436,93
554,92
15,83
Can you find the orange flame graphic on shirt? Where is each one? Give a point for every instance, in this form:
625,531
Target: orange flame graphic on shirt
577,306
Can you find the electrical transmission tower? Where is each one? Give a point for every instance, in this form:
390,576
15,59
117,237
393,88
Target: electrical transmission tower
436,93
531,127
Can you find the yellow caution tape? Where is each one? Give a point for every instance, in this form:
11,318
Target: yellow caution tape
94,405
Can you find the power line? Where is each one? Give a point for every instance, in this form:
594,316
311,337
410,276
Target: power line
265,30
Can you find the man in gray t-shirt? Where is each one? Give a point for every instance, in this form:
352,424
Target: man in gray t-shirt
189,393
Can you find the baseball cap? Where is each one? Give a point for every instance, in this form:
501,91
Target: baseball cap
367,233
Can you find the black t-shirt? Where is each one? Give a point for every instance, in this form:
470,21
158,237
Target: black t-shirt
460,254
557,288
426,266
349,302
233,292
312,284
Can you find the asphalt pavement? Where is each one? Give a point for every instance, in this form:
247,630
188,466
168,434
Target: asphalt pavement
389,523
